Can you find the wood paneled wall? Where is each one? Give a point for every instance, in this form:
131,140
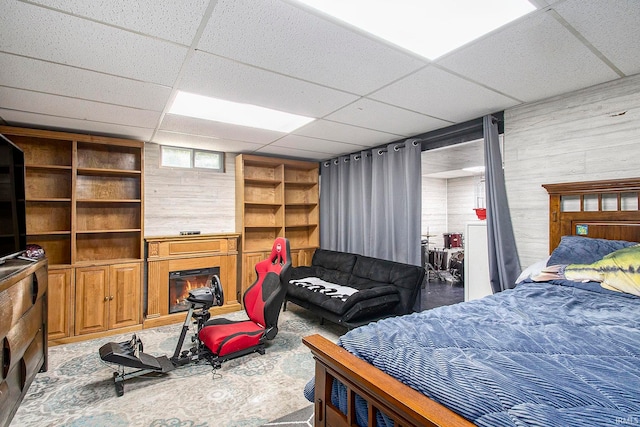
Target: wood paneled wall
187,199
590,134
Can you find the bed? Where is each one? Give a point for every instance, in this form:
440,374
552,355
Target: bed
549,379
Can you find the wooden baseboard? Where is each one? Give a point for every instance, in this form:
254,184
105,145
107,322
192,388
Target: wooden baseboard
85,337
148,323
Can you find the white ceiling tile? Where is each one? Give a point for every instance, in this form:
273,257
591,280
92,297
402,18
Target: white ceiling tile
593,19
333,131
20,118
25,73
386,118
292,153
81,66
204,143
168,19
278,36
441,94
55,105
189,125
533,60
206,74
315,144
53,36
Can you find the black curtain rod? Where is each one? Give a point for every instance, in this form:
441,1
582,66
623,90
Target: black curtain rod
455,134
368,151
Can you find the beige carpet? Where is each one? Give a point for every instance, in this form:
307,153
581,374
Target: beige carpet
78,389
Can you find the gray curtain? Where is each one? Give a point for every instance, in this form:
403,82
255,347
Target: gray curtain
504,264
370,203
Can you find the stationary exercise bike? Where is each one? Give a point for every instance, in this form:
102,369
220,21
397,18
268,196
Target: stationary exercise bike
130,354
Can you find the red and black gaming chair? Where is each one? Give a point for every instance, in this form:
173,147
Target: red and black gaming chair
263,300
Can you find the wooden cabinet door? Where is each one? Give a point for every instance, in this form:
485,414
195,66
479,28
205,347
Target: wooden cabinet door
301,257
249,261
295,258
59,303
92,299
124,295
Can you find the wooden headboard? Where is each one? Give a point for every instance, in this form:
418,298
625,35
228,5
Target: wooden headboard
608,209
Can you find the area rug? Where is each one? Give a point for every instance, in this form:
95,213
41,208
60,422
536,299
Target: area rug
78,389
300,418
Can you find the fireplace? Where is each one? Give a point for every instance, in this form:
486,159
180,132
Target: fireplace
181,282
166,254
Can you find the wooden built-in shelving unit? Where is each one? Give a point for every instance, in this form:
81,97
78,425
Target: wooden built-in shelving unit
275,198
84,207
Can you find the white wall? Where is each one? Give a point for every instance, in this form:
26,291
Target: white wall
434,209
186,199
460,203
447,205
590,134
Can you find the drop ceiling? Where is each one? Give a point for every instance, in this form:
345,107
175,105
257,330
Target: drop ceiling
114,67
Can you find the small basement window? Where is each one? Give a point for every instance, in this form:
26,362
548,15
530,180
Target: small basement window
189,158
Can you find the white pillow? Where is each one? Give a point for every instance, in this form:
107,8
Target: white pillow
532,270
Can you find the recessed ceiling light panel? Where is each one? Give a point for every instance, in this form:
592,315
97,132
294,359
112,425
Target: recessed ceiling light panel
220,110
427,27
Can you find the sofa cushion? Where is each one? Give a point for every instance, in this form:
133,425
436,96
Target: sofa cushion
341,298
384,271
332,260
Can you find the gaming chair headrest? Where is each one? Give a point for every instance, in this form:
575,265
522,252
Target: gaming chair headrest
280,252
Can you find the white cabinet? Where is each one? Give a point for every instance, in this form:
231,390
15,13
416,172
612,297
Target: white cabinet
476,261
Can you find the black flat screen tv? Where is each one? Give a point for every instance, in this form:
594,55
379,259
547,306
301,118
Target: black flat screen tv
13,222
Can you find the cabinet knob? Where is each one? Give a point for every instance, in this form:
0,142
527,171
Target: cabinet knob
111,297
106,298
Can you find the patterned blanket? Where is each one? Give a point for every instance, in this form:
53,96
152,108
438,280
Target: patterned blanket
332,290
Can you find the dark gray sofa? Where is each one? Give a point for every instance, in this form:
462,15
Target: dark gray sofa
368,288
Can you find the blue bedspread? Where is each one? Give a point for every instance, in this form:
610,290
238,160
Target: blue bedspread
542,354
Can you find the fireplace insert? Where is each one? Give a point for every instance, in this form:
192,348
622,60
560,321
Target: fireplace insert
181,282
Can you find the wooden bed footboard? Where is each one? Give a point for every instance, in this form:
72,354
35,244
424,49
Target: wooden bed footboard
383,393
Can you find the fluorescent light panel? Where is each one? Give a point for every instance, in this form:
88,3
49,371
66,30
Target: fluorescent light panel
220,110
429,28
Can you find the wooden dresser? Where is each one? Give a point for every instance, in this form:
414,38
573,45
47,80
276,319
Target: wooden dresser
23,330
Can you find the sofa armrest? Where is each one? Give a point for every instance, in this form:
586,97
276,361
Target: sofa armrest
371,309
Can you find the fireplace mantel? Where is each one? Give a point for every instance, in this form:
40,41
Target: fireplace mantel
173,253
